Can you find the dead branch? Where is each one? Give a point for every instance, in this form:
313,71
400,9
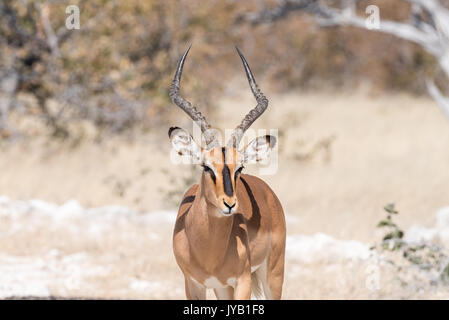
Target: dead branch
428,27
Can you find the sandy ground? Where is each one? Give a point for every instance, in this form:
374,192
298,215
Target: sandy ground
342,157
69,251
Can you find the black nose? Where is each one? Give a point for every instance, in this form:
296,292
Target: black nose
228,206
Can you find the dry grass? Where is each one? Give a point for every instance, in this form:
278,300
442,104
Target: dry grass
342,157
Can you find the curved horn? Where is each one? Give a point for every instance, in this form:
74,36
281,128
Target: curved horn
262,104
185,105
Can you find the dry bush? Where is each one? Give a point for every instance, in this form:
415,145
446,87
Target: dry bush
115,71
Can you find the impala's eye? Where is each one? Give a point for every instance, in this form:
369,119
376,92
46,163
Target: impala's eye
209,171
206,168
238,172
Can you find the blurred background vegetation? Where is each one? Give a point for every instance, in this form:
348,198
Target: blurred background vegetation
355,135
113,73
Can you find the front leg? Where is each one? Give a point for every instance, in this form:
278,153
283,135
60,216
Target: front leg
194,290
226,293
242,289
243,286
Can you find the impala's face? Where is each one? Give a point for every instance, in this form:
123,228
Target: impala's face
221,166
221,169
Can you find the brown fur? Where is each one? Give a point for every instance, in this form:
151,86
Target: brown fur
208,245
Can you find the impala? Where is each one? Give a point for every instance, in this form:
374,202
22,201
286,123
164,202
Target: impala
229,234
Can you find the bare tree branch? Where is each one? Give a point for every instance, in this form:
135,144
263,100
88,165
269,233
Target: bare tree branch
437,96
431,32
279,12
52,39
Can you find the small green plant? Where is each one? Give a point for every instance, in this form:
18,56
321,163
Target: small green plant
392,240
445,274
425,256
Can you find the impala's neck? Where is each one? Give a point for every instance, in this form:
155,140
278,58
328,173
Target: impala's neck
208,230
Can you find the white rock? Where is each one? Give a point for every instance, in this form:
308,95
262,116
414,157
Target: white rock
323,247
420,234
442,218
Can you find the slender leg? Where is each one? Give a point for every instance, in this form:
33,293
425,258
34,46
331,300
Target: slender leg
262,274
194,291
226,293
275,273
242,289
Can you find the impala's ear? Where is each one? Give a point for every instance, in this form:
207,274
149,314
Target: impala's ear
184,144
259,149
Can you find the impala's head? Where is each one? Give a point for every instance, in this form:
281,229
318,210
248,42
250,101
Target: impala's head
221,165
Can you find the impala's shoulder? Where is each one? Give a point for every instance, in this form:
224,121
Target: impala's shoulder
184,207
189,196
191,190
253,180
256,186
